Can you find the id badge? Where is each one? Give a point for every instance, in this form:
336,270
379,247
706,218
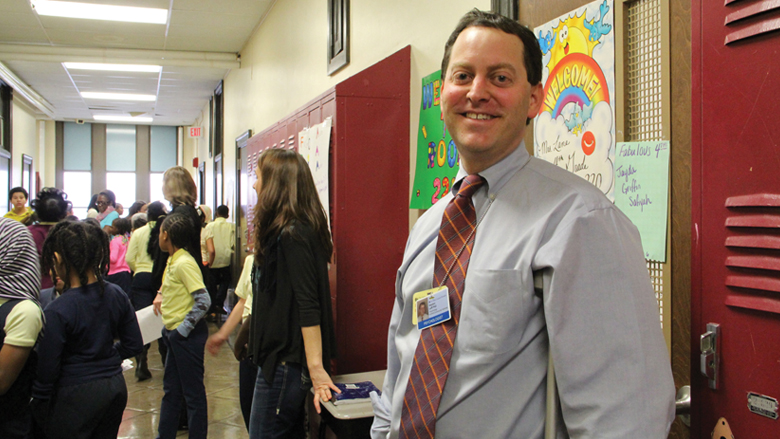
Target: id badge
431,307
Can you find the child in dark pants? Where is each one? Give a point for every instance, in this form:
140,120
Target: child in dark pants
80,391
182,301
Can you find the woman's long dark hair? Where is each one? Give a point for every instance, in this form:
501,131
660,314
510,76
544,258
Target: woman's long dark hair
287,195
155,213
82,246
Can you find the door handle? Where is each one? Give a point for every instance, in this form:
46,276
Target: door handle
709,360
682,406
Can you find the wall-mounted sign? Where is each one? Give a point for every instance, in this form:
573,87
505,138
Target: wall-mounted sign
762,405
196,131
642,191
437,156
575,128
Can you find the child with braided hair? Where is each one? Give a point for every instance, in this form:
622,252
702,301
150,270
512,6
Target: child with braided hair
182,301
80,391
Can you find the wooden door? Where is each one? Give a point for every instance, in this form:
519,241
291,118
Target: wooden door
736,214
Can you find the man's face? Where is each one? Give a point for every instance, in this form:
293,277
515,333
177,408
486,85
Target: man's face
486,97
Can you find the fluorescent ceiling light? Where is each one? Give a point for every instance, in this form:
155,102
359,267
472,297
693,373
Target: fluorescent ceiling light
112,67
100,12
118,96
122,119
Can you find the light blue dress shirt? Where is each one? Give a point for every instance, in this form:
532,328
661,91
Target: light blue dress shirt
598,315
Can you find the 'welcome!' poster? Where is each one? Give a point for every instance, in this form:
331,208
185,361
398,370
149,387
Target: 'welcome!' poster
575,128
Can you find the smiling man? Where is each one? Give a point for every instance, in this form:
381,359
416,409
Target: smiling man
481,373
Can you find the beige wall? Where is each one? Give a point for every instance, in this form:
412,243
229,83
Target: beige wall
47,152
25,140
199,147
283,65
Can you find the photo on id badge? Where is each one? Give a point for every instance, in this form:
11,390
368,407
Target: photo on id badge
431,307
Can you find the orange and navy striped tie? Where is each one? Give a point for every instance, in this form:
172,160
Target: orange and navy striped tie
434,350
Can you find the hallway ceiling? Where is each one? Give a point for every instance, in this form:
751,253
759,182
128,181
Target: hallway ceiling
196,49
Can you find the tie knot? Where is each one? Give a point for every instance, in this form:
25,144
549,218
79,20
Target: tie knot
470,185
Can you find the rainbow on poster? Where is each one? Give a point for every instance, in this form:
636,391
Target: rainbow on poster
577,78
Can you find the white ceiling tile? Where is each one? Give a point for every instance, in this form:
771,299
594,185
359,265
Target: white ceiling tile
250,7
196,25
100,26
11,34
159,4
64,37
206,44
15,6
18,19
207,22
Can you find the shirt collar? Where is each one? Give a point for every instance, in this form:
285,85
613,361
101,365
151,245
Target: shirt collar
499,174
176,255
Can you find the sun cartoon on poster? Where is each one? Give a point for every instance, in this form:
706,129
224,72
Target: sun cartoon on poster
575,128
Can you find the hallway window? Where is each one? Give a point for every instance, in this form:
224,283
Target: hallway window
123,186
155,187
77,166
162,155
78,186
120,162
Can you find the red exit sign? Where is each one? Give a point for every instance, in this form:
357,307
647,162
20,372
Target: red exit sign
195,131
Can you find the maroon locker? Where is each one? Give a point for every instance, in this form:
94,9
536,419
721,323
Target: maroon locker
369,199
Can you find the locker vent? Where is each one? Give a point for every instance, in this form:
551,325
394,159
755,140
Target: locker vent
656,270
755,18
643,67
753,247
251,169
644,98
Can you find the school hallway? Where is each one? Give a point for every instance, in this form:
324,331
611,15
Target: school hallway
143,400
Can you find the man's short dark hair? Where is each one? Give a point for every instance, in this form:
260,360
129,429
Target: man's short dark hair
20,190
223,211
532,54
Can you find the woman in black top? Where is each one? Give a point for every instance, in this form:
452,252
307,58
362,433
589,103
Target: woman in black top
291,330
180,190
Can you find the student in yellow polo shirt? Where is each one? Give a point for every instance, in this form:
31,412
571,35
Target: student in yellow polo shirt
220,241
20,212
182,301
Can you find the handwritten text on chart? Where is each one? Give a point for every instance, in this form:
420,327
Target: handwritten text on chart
642,185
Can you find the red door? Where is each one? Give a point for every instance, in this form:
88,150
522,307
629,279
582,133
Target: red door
736,214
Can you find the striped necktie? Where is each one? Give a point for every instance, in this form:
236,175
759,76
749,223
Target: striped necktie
434,350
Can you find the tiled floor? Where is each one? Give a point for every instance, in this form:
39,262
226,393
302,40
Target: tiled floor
143,404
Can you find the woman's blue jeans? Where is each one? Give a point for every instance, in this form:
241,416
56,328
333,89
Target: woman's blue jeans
278,408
